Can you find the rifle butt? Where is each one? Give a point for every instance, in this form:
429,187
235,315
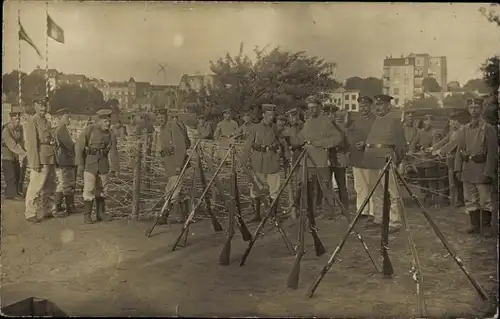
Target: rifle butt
247,252
318,245
225,254
215,223
245,233
387,269
293,278
179,238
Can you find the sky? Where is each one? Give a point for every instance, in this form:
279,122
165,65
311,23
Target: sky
116,41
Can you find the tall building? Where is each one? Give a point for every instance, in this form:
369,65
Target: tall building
403,76
345,99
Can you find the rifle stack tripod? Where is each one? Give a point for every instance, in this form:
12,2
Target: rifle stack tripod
304,198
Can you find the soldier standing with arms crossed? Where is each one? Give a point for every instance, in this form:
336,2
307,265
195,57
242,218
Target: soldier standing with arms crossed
65,167
13,155
97,159
40,149
357,130
263,148
174,143
386,138
475,165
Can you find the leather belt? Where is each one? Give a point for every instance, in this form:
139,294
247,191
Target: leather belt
49,143
264,148
391,146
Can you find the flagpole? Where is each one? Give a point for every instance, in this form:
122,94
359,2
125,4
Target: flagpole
19,57
47,49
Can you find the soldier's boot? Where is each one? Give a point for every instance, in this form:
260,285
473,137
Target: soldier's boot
162,220
87,213
487,231
100,207
474,222
70,204
256,209
20,189
58,211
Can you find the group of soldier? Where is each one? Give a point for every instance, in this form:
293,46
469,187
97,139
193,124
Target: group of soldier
270,143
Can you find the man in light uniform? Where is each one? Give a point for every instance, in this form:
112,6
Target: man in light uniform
41,152
97,160
204,129
319,134
358,128
65,166
475,164
174,143
13,155
386,138
225,128
263,148
241,133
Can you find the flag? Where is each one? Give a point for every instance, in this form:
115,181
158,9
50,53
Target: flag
25,37
54,31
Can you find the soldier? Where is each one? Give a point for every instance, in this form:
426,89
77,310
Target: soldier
281,123
319,134
41,150
97,160
120,130
427,169
204,129
241,133
226,127
65,167
13,155
386,138
357,130
263,148
475,165
410,129
448,147
174,143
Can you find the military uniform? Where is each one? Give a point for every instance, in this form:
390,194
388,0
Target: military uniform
427,169
174,143
242,132
386,138
319,135
65,170
120,130
476,162
205,130
357,131
41,153
13,156
96,156
263,148
225,128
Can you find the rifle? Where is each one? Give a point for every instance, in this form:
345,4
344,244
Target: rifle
293,278
226,250
387,269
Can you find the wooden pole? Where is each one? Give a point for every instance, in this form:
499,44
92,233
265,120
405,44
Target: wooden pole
136,186
148,159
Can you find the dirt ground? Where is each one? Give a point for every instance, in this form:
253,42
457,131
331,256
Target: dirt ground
112,269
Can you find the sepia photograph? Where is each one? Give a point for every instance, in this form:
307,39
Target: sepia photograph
250,159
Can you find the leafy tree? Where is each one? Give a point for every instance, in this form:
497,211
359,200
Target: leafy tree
429,102
457,100
78,100
430,85
491,73
478,85
114,105
280,77
368,86
492,13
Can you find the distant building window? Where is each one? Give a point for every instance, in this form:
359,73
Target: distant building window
346,106
396,91
353,96
354,107
347,97
406,61
406,91
406,81
397,101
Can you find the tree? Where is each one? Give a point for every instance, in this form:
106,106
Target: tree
478,85
78,100
114,105
369,86
430,85
457,100
429,102
280,77
492,14
491,73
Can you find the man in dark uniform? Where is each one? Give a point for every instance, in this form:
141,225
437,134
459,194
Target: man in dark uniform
427,168
241,133
263,148
475,164
386,138
65,166
319,135
174,143
13,155
358,128
97,159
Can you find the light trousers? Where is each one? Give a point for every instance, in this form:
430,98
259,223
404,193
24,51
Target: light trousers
40,192
95,185
362,188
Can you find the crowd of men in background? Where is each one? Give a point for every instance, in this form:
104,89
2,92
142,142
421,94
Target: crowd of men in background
271,143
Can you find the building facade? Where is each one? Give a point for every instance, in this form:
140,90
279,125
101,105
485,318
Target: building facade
344,99
403,77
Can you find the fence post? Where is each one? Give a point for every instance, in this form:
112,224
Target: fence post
136,186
